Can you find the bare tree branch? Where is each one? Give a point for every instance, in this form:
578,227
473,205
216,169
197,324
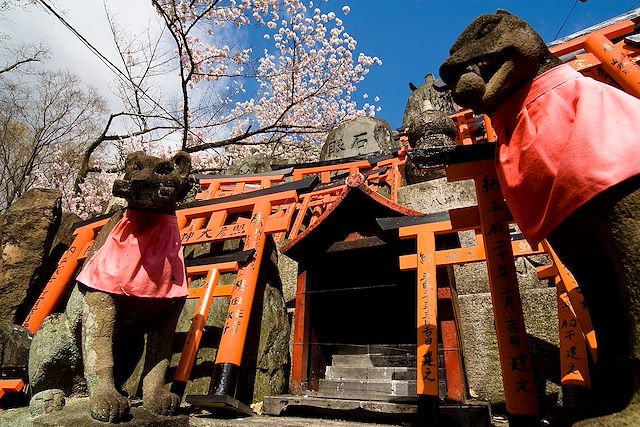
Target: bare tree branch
53,118
85,166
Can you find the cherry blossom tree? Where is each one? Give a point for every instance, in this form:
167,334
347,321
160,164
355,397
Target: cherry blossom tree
267,77
288,86
304,77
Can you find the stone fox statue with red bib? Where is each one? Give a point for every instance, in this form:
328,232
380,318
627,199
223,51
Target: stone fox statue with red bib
132,287
568,160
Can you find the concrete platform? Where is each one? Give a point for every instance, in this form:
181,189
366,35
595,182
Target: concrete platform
76,415
78,418
477,414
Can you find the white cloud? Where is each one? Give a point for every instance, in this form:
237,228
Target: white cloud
89,18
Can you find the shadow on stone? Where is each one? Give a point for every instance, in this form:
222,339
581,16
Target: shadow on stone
77,413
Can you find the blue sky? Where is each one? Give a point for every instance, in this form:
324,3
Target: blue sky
413,37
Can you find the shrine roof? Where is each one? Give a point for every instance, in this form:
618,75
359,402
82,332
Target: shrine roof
352,216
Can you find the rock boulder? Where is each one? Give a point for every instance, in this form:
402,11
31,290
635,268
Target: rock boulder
26,232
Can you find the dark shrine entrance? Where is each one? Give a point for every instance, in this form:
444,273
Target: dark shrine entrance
360,297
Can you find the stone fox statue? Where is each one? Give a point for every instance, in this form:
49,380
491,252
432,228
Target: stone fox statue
133,285
569,167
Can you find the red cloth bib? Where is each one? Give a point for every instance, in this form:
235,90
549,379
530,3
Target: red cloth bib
563,139
142,257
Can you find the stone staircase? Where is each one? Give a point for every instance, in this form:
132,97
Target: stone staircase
373,372
375,382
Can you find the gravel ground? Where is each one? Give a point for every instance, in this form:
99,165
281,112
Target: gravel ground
267,421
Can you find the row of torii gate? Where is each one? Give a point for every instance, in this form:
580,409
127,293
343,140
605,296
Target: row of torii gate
295,205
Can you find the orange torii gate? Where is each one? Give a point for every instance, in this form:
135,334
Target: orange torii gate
573,317
273,209
495,246
210,269
217,186
250,217
59,283
274,212
606,55
379,170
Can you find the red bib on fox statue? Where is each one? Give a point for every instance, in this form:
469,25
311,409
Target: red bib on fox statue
569,166
142,257
563,140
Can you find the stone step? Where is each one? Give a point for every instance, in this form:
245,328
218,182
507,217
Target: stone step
370,373
378,360
364,387
364,396
388,349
